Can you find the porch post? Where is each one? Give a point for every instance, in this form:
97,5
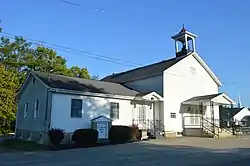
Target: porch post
153,107
212,114
201,111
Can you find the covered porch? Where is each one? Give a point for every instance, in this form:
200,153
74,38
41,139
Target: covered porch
148,113
202,113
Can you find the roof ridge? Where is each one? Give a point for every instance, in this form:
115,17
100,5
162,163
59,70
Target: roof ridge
77,78
82,84
156,63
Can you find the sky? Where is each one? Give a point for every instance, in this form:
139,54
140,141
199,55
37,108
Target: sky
139,31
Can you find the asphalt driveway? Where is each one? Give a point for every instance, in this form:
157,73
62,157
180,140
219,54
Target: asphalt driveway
171,152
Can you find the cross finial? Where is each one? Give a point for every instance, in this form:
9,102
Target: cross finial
183,29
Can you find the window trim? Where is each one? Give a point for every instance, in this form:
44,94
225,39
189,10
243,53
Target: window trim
72,108
116,109
36,108
33,81
25,112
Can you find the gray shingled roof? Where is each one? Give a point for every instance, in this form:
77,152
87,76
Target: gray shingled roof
227,113
205,97
144,71
83,85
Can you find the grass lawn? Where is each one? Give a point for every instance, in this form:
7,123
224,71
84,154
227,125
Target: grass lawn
19,145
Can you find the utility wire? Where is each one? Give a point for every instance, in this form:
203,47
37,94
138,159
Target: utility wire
80,6
92,55
98,58
70,3
82,52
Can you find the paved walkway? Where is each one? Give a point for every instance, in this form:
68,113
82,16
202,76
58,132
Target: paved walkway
171,152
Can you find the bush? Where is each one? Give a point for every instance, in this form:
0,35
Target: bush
85,137
136,134
56,136
120,134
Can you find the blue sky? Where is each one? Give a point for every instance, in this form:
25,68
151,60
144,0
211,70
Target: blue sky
140,31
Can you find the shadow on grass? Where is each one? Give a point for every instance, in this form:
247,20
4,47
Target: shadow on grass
19,145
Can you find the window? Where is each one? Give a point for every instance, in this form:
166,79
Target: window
173,115
76,108
36,105
114,110
25,110
33,81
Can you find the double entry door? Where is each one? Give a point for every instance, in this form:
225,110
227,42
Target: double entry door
142,116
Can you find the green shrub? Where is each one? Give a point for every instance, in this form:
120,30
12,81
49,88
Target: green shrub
85,137
135,132
56,136
120,134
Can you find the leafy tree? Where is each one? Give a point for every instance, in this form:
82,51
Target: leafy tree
17,57
76,71
8,88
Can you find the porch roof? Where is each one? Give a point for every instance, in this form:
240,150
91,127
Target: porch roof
151,96
217,99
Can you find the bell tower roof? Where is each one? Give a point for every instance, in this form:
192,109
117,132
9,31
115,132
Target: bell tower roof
186,40
183,32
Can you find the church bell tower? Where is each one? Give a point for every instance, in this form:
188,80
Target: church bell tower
184,42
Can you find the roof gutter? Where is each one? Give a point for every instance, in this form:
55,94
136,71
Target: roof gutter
91,94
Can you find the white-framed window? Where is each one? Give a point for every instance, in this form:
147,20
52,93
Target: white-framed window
114,110
33,81
36,106
25,110
76,108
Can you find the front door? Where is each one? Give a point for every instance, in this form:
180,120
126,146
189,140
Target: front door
142,116
195,115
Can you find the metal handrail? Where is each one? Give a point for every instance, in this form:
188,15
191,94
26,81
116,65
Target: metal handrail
150,125
213,131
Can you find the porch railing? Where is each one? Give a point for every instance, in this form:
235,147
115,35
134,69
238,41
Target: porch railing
206,124
210,128
154,127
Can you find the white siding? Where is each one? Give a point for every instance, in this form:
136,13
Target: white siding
244,112
154,83
92,107
181,84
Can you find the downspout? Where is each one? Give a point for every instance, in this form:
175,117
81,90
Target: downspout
46,125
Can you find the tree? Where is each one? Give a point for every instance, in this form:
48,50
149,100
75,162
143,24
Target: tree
78,72
9,86
19,56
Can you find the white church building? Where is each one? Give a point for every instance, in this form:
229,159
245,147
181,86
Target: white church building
188,86
175,97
